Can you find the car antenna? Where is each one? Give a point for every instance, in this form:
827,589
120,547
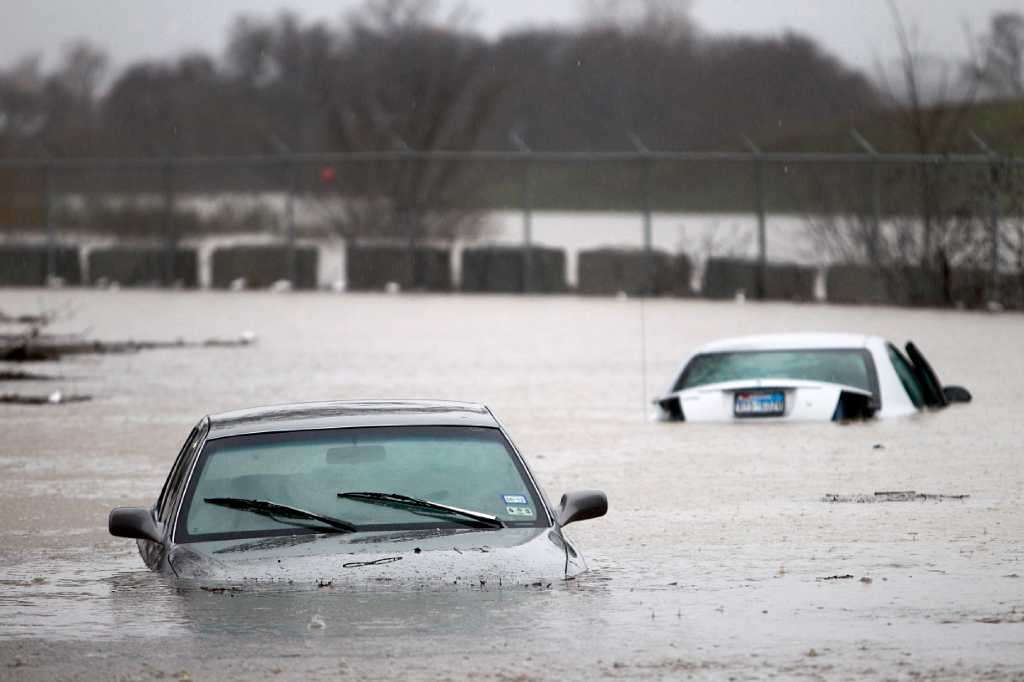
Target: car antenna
648,287
643,354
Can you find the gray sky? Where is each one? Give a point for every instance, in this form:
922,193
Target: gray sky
857,30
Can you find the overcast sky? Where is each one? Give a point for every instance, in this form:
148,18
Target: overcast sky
859,31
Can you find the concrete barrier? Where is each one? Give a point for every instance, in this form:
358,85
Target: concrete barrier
899,285
370,268
969,287
682,275
633,271
850,283
145,266
25,265
917,287
724,277
1011,291
262,265
499,269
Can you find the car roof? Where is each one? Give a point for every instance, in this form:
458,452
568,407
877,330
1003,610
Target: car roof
342,414
795,341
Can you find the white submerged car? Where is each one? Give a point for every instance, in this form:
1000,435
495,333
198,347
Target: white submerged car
804,377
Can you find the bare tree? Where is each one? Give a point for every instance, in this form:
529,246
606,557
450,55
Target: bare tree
932,102
82,70
999,63
404,81
667,21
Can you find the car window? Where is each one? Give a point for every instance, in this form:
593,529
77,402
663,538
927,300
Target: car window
907,376
172,488
848,367
470,468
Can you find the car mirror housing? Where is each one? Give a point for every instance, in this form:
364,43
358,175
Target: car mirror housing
581,505
956,394
133,522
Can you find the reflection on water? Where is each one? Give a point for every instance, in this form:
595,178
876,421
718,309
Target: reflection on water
711,558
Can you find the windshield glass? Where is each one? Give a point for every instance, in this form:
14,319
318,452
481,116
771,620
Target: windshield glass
847,367
469,468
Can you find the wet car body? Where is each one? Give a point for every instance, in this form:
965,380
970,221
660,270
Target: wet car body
434,550
830,377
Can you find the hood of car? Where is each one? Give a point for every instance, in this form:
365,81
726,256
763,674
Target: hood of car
419,557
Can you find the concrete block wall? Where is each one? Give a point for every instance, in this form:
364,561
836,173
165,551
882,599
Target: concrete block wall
683,275
144,266
632,271
371,268
724,277
500,269
856,284
905,286
262,265
25,265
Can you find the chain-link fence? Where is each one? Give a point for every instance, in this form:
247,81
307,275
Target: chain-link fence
906,228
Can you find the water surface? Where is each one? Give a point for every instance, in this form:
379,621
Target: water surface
712,562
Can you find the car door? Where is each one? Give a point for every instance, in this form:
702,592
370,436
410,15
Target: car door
166,507
933,394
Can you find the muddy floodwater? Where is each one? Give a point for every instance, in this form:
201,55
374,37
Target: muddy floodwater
722,555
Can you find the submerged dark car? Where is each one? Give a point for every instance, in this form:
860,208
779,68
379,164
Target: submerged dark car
356,491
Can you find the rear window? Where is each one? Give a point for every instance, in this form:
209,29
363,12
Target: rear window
848,367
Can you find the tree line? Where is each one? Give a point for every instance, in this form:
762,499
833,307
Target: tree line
397,74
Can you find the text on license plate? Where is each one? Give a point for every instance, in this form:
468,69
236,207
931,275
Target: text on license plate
760,403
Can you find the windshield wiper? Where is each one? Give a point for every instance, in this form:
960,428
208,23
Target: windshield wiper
282,511
406,502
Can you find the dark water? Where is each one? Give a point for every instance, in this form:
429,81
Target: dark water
712,562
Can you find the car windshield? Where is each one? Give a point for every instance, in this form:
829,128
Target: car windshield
465,467
847,367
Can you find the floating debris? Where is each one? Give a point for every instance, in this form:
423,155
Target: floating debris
1011,617
55,398
15,375
836,577
47,347
891,496
33,320
378,562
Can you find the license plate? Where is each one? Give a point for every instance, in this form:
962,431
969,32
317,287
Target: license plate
760,404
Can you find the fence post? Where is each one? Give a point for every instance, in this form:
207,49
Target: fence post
289,210
649,274
994,228
993,216
170,240
289,171
51,225
762,237
527,190
876,197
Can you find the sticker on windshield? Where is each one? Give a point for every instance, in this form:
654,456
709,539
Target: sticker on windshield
519,511
514,499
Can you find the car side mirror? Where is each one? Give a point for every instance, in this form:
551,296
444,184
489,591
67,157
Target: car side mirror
957,394
133,522
581,505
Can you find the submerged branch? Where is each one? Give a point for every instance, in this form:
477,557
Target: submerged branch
41,348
